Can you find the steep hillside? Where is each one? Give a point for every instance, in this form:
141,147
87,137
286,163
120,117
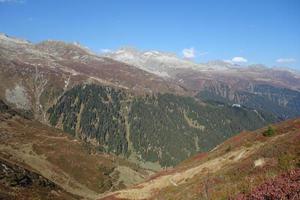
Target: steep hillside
282,102
17,182
163,129
33,76
247,166
62,162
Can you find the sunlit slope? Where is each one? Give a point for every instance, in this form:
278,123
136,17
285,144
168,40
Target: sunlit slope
234,167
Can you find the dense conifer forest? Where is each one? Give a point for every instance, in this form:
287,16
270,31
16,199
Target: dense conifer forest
163,128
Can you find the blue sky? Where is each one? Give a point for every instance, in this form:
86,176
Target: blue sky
256,31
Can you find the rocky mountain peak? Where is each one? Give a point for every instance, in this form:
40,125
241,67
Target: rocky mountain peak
61,48
8,39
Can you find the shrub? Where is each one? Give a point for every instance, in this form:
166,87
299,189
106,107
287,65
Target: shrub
269,132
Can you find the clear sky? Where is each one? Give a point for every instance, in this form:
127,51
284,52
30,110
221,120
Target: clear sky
256,31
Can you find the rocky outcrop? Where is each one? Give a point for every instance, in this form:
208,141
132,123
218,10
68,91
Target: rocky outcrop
16,176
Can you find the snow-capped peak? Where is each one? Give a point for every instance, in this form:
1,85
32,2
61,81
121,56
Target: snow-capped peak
153,61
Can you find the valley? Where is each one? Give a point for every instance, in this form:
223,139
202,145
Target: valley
133,124
75,170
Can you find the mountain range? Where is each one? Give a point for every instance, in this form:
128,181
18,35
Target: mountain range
123,115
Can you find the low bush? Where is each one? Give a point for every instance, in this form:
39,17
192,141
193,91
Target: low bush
270,132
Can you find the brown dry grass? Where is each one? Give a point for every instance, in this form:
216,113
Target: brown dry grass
60,158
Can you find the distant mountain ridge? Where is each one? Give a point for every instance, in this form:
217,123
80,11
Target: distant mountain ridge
255,86
162,63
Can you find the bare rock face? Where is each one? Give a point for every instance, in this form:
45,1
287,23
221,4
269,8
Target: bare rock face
18,96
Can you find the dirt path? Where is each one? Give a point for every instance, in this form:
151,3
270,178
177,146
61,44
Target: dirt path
147,189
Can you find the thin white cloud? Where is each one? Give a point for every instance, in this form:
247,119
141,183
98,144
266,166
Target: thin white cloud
189,53
236,60
106,50
286,60
239,59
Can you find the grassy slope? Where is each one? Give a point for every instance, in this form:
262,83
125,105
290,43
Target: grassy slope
70,164
237,165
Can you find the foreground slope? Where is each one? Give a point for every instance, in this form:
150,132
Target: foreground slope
19,182
64,162
234,167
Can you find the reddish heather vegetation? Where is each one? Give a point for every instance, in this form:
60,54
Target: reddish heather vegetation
283,187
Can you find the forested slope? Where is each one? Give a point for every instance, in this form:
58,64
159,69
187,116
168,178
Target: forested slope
163,128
